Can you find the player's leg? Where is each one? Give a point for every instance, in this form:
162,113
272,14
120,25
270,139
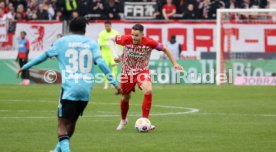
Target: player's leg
114,70
71,128
25,74
114,67
127,86
147,101
144,82
63,137
61,131
66,126
124,105
20,62
65,130
79,108
66,112
106,59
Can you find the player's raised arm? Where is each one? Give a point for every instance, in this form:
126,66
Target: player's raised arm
160,47
118,40
113,48
172,59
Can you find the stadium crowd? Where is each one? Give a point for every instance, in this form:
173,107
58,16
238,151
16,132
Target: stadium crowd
114,9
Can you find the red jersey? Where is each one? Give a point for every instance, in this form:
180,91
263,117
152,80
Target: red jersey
169,8
135,58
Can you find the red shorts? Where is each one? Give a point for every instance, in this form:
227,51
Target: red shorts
128,82
22,55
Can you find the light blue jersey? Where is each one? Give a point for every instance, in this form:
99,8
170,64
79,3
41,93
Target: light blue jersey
76,55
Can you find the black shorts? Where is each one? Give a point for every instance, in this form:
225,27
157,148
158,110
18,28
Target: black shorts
71,109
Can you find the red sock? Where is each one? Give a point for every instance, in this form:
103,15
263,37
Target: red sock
124,109
146,105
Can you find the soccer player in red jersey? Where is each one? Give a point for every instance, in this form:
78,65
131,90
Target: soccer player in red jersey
135,68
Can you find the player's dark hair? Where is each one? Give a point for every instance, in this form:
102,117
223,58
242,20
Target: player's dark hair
138,27
107,22
78,25
23,32
173,39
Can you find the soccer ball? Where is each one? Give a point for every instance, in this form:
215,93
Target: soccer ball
142,125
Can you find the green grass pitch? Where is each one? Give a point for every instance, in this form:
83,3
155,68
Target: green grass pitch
230,119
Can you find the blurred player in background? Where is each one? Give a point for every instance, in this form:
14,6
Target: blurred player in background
135,68
104,39
22,57
174,47
76,55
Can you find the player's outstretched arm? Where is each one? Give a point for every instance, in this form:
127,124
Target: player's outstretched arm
114,48
41,58
172,58
104,68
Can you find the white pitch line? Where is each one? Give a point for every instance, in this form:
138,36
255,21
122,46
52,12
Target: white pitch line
110,114
190,110
240,114
154,114
16,100
27,117
14,69
47,118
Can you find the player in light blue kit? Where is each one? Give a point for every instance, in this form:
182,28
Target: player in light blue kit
76,55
